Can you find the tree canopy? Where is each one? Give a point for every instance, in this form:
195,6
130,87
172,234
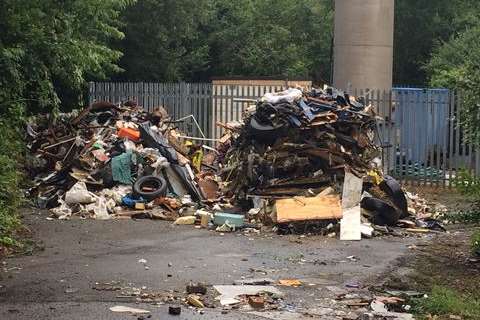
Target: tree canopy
197,39
48,48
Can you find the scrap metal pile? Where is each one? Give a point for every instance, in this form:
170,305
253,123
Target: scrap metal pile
111,160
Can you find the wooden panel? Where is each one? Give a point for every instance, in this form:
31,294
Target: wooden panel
303,209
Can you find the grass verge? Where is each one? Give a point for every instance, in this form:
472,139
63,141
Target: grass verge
447,270
444,302
11,149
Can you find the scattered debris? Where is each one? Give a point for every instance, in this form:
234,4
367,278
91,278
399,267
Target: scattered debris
290,282
229,294
296,149
300,161
254,282
194,300
103,160
174,310
185,220
198,288
256,302
123,309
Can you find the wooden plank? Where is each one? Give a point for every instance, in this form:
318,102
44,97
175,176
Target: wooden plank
352,194
304,209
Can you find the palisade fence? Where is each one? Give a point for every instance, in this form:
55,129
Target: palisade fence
419,130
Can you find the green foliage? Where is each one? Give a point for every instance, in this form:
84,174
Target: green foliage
476,242
48,49
11,149
49,44
165,40
467,183
456,64
188,40
467,217
422,25
261,38
445,301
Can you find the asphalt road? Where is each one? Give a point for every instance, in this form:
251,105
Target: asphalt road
57,282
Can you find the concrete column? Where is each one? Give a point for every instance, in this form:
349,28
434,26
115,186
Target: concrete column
363,44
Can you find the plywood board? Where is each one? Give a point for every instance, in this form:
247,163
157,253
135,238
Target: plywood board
302,208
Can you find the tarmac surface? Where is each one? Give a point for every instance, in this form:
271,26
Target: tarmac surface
57,282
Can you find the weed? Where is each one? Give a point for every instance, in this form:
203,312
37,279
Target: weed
476,242
11,148
445,301
467,184
470,216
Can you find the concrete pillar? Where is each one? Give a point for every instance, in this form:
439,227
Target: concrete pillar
363,44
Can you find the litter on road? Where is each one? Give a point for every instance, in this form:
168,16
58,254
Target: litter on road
123,309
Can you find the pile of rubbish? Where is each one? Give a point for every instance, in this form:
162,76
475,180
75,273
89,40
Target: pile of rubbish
312,156
114,160
294,142
297,158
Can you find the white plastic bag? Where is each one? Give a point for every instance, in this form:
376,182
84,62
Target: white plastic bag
79,194
289,95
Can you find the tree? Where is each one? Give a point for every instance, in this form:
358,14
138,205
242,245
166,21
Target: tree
456,64
193,40
48,49
422,25
280,38
165,40
45,45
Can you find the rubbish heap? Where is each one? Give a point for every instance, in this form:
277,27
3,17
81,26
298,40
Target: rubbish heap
311,156
112,160
293,143
297,158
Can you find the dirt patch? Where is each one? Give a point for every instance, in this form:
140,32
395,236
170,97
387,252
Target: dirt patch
444,260
444,263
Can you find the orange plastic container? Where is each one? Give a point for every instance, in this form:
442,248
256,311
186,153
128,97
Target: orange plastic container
129,133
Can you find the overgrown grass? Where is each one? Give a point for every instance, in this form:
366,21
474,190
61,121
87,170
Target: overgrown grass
11,148
466,217
476,243
443,301
466,183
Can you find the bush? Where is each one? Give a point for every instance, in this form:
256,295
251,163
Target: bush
11,148
467,184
